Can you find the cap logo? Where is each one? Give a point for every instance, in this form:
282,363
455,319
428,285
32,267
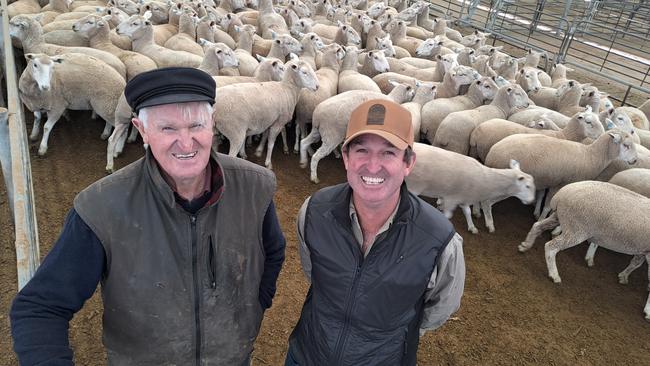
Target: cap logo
376,115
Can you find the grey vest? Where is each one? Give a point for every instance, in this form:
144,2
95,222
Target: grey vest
366,311
179,289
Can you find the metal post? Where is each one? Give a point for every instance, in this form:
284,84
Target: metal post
27,251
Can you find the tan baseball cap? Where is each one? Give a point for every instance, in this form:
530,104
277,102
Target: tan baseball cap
383,118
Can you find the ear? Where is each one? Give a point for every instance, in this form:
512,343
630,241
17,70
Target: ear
237,28
609,123
260,58
106,17
509,90
30,56
616,137
293,57
273,35
146,15
393,83
514,164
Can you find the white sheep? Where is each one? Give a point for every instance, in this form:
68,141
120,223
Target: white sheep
269,69
454,79
581,126
639,119
270,21
218,56
97,31
554,162
30,34
311,44
252,108
140,30
558,75
480,91
350,78
185,39
424,93
71,81
454,131
592,210
330,121
459,180
374,63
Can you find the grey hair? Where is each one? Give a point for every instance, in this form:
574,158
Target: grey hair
204,108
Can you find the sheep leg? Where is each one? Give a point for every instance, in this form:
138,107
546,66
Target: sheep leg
285,146
557,231
260,147
52,118
132,136
487,210
237,145
591,252
322,152
554,246
538,228
314,136
635,263
274,130
36,128
468,216
476,210
119,130
539,199
296,145
547,202
107,131
249,141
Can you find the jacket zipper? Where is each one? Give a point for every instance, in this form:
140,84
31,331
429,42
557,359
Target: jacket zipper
212,264
340,343
195,277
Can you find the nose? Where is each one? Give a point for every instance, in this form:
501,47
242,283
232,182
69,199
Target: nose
185,140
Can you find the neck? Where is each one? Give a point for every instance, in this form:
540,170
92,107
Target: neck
145,38
245,42
190,188
100,38
373,216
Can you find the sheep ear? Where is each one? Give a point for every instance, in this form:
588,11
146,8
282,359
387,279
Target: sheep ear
393,83
417,83
514,164
146,15
57,59
273,34
293,57
588,109
611,111
30,56
438,57
237,28
509,90
106,17
260,58
609,123
616,136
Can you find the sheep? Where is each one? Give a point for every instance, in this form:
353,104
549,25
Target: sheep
350,78
532,113
444,64
269,69
346,35
480,91
30,34
374,63
247,63
217,57
397,31
424,93
96,29
464,56
432,47
270,21
460,180
507,68
531,62
328,80
71,81
528,79
23,7
384,81
592,210
588,98
66,38
116,17
558,75
639,119
159,11
140,30
185,39
643,161
569,95
618,118
283,45
481,64
554,162
454,131
645,108
582,125
454,79
310,43
252,108
386,44
331,118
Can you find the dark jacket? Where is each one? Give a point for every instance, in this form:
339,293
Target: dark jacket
366,311
195,294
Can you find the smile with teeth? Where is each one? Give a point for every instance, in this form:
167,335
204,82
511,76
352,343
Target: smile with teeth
372,180
185,156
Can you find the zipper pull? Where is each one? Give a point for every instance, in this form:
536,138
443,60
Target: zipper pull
399,259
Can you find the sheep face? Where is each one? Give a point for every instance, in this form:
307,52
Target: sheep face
20,26
288,44
41,67
225,56
589,124
386,44
378,61
300,8
315,40
236,4
487,88
134,26
87,26
622,146
159,13
126,6
350,35
464,75
376,10
427,48
524,184
528,79
301,26
304,75
517,97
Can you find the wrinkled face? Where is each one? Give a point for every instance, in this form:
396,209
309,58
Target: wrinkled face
375,170
42,69
180,138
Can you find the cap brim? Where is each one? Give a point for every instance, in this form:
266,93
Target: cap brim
394,140
174,98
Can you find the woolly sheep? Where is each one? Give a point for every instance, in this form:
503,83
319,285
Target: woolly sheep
72,81
140,30
592,210
480,91
269,21
424,93
454,131
252,108
185,39
218,56
350,78
582,125
30,34
269,69
331,117
460,180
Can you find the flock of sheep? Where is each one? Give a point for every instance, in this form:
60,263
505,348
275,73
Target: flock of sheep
496,126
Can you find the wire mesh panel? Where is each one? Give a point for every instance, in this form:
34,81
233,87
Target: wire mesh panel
607,40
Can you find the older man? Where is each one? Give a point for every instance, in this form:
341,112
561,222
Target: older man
384,265
186,245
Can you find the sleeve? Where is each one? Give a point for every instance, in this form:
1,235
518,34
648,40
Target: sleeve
446,286
42,310
274,244
305,255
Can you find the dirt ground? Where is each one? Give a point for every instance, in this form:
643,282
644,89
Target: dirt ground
511,312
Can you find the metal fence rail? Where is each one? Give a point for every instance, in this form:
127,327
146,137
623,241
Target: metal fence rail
607,40
27,251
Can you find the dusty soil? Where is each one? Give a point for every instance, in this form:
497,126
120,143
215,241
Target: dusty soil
511,312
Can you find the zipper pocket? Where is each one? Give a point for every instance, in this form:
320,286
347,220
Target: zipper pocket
212,263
